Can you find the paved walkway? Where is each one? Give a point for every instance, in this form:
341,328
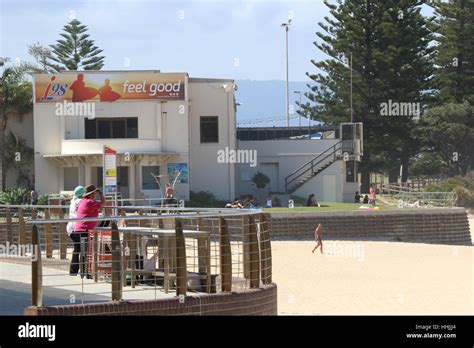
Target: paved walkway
59,289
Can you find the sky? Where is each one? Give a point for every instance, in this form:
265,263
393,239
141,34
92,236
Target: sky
238,39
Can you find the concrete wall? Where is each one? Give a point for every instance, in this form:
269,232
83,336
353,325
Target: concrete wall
262,301
206,174
288,155
440,226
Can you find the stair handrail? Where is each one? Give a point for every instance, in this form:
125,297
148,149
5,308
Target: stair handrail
331,151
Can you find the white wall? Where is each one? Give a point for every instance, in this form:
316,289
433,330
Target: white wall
157,131
289,154
315,185
211,99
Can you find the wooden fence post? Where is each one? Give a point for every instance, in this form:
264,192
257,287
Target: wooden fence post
62,236
116,264
48,237
21,231
254,254
204,255
266,251
245,246
181,268
9,225
36,270
225,256
95,247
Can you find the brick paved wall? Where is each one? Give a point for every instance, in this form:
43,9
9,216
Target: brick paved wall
440,226
261,301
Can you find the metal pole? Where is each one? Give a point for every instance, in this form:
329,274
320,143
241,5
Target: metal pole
299,123
309,127
352,113
287,83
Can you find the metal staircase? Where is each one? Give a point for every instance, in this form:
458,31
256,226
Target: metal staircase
312,168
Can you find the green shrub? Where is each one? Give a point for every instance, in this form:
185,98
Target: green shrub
261,180
462,186
465,197
43,199
204,199
16,195
450,185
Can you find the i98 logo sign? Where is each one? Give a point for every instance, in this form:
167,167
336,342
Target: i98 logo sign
54,90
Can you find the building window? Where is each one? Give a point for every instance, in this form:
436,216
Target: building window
209,129
71,178
148,181
122,176
111,128
351,171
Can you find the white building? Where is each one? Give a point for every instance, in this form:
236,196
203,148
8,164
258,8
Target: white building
161,123
326,167
169,123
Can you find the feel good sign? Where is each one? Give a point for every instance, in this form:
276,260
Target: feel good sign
109,86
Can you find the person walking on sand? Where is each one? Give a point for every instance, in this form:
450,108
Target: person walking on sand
318,235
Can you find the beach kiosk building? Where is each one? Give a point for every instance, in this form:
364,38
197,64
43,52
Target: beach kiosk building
159,123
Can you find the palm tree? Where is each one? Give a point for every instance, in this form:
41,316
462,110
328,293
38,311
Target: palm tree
16,99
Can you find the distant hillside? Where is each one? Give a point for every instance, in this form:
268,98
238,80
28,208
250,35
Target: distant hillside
265,100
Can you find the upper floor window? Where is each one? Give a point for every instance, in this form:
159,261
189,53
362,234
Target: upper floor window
111,128
209,129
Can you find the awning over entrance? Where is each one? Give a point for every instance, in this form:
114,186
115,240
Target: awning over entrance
123,159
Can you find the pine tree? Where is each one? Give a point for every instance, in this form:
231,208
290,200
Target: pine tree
76,51
391,60
455,51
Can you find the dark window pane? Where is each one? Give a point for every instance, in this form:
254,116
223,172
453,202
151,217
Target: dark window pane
209,129
132,127
351,171
100,177
148,181
104,129
122,176
90,129
118,129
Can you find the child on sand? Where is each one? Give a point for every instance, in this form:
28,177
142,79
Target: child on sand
318,235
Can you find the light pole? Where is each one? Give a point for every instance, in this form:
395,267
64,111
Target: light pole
287,27
299,108
352,110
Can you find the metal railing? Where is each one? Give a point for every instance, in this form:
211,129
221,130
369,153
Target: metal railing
192,250
406,198
310,167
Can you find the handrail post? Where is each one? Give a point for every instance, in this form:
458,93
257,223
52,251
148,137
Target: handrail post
62,237
48,237
36,270
9,225
21,231
254,254
266,251
116,264
181,268
225,256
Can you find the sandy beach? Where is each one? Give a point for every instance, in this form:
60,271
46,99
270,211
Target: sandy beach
374,278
